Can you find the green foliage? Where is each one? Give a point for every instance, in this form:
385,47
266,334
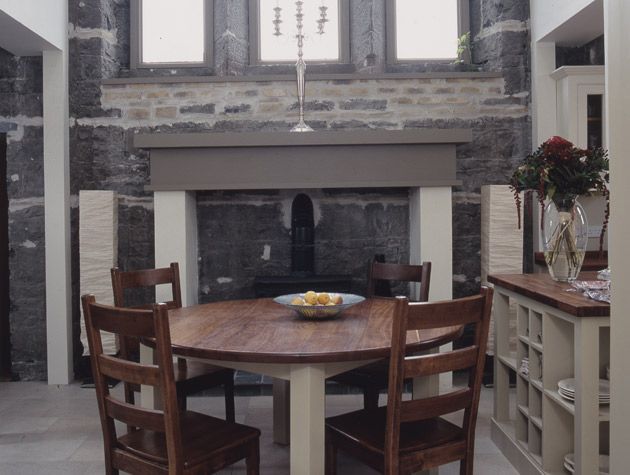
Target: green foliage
463,45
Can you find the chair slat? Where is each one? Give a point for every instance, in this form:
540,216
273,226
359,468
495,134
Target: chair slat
129,371
134,416
426,365
443,314
142,278
126,322
400,272
428,408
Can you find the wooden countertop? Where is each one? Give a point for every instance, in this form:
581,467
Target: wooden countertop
542,288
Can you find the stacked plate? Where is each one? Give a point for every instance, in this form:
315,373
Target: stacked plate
566,389
569,464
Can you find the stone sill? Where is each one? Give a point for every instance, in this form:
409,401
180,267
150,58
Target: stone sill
291,77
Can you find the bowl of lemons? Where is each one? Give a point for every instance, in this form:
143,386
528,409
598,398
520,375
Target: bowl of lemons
319,305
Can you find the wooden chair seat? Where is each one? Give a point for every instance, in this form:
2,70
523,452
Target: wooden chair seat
366,429
198,448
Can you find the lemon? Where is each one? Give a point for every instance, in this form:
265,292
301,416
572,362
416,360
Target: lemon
297,301
323,298
336,299
310,297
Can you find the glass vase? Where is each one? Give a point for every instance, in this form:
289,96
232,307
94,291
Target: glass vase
565,234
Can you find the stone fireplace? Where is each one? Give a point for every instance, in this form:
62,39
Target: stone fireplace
259,175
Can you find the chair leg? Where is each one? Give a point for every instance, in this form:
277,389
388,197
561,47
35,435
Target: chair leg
370,398
330,459
181,402
252,461
228,387
466,465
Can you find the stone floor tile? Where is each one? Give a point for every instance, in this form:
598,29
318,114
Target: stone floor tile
39,447
56,435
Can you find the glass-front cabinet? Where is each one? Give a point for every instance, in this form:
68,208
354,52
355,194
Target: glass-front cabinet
581,118
581,105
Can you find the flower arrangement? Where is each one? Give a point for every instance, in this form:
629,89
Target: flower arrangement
559,168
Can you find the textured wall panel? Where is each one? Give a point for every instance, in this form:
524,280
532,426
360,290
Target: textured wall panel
98,252
501,240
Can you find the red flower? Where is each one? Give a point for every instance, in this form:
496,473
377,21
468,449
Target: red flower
557,148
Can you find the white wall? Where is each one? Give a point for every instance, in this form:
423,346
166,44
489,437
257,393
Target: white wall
550,22
618,104
28,27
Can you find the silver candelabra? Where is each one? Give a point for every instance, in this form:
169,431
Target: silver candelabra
300,68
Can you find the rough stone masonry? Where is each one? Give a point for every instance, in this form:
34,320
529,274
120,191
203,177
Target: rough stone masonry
350,225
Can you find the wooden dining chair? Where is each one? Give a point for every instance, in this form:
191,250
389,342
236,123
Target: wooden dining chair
190,376
373,378
408,436
167,441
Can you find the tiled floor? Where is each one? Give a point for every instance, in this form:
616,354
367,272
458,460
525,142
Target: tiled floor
55,430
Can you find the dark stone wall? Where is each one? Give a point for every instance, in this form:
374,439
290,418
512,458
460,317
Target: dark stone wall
21,118
591,54
350,228
235,227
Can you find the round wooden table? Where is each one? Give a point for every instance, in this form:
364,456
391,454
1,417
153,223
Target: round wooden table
263,337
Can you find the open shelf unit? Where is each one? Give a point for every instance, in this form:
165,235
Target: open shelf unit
543,427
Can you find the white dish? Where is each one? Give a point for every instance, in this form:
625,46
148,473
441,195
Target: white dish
568,386
315,312
571,398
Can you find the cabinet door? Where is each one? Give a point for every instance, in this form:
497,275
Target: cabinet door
591,116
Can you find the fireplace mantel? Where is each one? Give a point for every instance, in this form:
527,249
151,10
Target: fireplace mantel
285,160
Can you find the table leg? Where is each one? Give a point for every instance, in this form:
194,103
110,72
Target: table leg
307,419
425,387
150,397
281,413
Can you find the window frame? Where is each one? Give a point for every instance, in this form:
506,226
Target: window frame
463,26
135,54
254,37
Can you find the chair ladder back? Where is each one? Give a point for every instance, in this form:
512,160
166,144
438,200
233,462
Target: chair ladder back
427,365
134,416
417,316
129,371
122,280
400,272
164,359
435,406
396,383
137,324
95,344
448,313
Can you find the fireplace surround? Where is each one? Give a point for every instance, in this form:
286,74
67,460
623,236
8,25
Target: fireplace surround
422,160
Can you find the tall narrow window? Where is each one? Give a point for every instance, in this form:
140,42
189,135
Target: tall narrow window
171,33
424,30
273,26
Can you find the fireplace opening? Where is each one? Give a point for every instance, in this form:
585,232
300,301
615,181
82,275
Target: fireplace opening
302,236
302,276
